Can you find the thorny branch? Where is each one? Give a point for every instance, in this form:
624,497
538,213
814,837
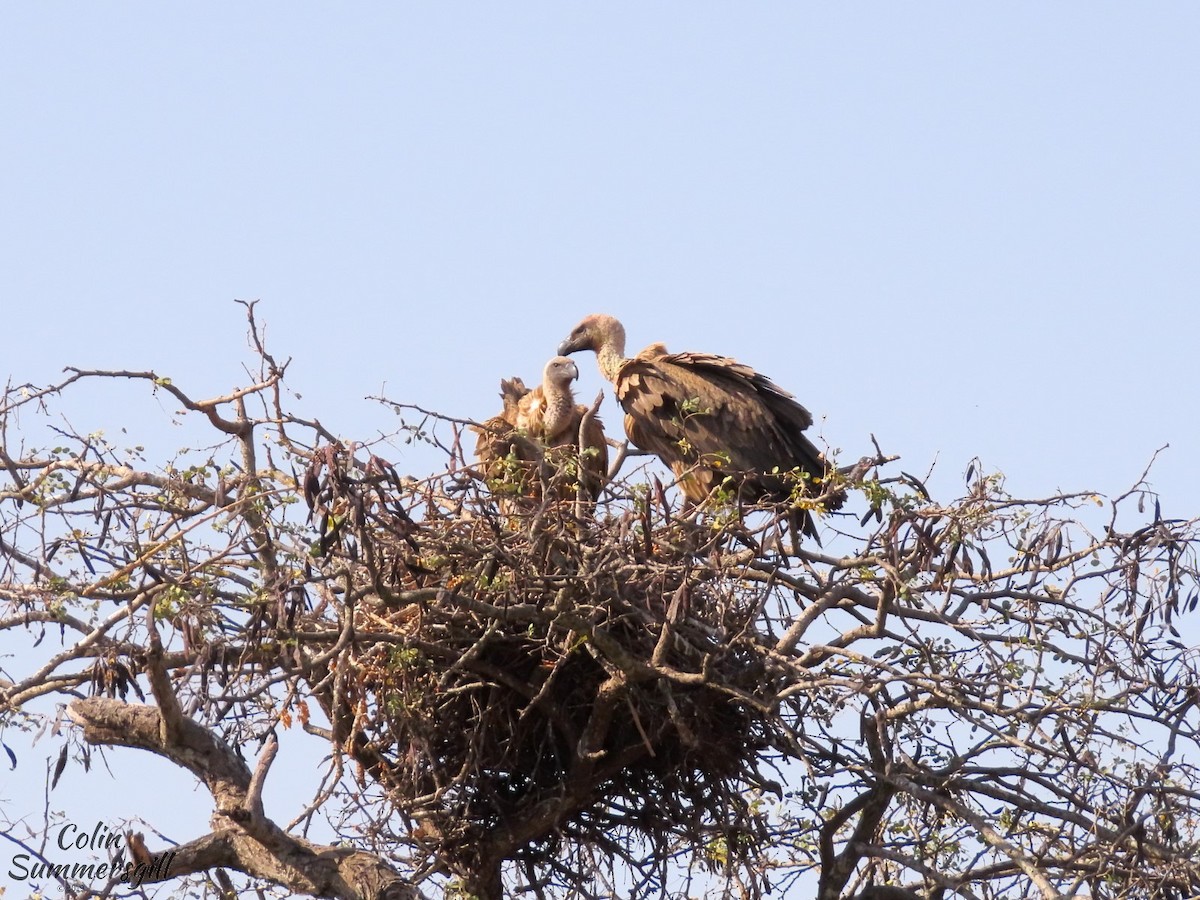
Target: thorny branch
983,697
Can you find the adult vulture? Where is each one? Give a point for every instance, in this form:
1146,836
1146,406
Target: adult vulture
542,425
709,418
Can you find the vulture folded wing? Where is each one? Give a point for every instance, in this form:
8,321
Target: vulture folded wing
594,452
498,444
709,416
595,444
512,392
491,433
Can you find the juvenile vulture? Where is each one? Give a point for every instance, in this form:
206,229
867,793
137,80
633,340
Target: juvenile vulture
542,425
709,418
550,415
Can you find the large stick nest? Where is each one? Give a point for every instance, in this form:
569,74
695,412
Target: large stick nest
523,674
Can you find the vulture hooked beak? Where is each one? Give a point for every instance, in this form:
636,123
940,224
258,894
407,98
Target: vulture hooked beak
579,339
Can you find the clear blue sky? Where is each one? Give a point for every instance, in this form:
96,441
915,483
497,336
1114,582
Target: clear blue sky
971,229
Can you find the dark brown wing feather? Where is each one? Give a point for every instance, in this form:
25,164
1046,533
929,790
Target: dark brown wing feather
508,461
709,417
495,435
512,392
595,454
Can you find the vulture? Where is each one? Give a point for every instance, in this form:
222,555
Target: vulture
709,418
539,425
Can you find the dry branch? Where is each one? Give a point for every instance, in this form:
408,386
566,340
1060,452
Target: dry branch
983,697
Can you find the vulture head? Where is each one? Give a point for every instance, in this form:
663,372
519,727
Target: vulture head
602,334
549,409
560,372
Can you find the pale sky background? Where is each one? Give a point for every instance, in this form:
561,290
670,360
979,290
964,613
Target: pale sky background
970,229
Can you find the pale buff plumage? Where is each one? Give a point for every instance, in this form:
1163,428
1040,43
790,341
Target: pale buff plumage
535,422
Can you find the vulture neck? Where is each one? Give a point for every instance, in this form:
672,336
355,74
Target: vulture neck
560,405
611,354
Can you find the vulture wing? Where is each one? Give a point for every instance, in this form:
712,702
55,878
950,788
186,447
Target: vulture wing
595,454
710,417
496,436
595,445
512,391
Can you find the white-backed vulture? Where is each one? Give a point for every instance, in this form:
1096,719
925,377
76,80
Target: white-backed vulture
550,415
709,418
547,411
543,425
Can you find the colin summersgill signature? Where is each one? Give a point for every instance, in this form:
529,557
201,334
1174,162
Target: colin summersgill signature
70,837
